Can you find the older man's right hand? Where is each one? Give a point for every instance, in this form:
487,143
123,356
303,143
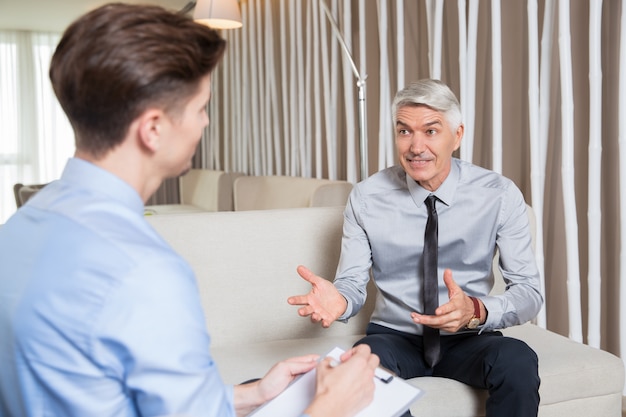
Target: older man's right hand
323,304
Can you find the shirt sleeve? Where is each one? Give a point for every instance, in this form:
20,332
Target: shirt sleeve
153,338
353,270
522,297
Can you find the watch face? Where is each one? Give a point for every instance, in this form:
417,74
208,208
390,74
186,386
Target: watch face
473,323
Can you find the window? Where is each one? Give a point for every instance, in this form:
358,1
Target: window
35,137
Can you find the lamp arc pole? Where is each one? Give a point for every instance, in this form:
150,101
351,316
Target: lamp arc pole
360,85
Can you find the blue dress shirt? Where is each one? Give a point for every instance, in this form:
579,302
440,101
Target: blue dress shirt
98,316
479,211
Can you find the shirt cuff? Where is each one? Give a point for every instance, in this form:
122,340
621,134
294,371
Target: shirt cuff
346,314
494,313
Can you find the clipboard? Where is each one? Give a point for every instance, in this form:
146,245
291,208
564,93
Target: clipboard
392,396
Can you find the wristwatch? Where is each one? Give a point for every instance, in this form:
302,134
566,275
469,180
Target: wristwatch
475,320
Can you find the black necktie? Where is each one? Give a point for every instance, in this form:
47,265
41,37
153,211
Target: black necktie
431,285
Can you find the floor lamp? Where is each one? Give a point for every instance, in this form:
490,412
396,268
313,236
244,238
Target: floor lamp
360,85
218,14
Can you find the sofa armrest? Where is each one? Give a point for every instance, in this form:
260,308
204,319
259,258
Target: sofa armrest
210,190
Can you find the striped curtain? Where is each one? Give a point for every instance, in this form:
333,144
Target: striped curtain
542,112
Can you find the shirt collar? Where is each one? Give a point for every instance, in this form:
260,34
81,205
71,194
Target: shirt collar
446,191
86,175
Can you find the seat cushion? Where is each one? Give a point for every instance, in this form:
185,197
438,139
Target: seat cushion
577,380
571,370
574,378
243,362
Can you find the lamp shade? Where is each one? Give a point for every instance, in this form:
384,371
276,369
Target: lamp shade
218,14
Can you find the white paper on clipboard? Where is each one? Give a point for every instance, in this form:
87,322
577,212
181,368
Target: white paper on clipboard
391,399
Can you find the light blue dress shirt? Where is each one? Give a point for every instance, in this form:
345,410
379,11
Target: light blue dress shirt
98,316
479,211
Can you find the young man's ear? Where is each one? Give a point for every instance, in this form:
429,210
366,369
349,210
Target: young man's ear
150,125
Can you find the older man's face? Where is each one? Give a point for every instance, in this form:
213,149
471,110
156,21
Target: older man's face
425,143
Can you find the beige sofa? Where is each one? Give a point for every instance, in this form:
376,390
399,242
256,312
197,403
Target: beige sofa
245,264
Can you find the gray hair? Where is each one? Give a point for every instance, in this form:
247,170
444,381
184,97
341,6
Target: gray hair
430,93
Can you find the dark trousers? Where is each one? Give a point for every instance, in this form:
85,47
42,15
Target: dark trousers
504,366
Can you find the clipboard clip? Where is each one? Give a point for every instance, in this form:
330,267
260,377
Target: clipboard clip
384,375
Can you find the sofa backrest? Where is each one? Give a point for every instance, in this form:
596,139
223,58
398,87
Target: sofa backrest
245,264
279,192
210,190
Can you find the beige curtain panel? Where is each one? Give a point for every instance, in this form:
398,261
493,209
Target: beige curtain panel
539,84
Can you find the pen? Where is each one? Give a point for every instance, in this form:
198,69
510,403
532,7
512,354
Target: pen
380,373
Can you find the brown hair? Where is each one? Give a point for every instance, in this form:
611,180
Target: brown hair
114,62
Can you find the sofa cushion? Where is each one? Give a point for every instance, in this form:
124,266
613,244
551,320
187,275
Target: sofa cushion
244,362
569,372
281,192
572,370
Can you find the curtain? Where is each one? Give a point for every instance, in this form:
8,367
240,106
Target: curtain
35,137
525,72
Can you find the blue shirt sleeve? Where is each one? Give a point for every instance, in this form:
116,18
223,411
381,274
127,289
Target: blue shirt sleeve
154,338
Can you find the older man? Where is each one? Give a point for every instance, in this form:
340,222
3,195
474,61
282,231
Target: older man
427,230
